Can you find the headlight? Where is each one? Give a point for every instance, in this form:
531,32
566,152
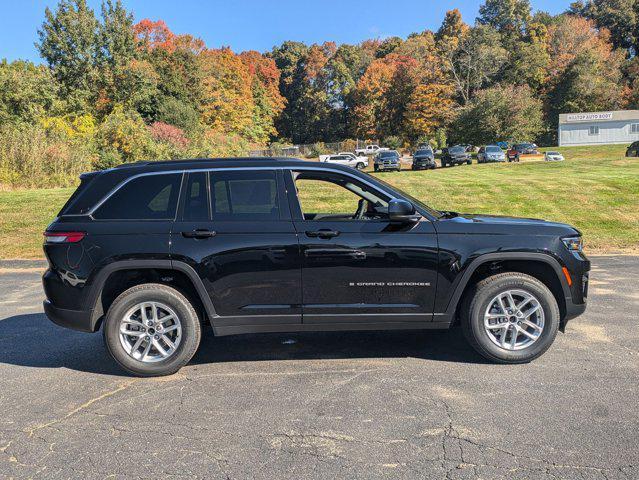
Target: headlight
574,244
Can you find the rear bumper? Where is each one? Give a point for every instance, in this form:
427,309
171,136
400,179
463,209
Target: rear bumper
80,320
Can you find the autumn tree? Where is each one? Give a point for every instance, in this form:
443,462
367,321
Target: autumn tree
585,70
430,108
174,87
227,98
268,103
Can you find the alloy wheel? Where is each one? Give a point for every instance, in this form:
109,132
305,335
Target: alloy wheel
514,319
150,332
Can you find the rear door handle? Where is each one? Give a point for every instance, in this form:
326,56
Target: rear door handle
199,233
322,233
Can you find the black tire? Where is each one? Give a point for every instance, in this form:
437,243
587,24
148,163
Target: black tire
376,168
469,162
191,330
477,301
360,166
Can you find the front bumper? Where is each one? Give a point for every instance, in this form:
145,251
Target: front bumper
80,320
459,160
576,302
388,166
424,164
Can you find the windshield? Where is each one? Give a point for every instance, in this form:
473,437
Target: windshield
493,149
424,151
456,150
393,189
390,154
553,153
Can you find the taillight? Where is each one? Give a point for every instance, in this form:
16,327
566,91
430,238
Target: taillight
63,237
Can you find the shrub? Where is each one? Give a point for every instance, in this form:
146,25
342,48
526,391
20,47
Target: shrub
31,158
393,142
126,133
317,149
174,136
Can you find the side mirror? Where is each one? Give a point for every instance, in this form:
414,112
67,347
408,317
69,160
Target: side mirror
401,211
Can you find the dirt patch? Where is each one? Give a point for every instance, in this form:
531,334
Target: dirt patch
592,333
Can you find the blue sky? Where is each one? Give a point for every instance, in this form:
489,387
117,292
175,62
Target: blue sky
258,25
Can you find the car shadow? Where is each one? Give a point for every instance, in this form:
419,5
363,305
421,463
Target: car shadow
31,340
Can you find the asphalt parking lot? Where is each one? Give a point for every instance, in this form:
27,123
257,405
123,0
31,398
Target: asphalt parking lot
334,405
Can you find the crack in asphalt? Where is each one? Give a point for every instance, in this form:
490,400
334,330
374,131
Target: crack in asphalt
123,386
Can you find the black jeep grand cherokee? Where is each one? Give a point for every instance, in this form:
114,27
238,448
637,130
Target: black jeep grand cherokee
152,251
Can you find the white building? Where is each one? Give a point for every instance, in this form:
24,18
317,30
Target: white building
594,128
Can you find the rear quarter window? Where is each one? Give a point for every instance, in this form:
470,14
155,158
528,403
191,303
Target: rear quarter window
149,197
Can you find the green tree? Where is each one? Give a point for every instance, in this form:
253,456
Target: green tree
620,17
116,36
289,60
388,46
505,16
529,58
28,92
587,85
69,44
475,61
499,113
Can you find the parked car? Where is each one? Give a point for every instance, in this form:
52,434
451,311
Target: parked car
423,158
370,150
633,150
347,158
519,149
553,156
490,153
387,160
234,245
455,156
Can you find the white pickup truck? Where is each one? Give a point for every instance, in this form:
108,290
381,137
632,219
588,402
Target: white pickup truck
370,150
346,158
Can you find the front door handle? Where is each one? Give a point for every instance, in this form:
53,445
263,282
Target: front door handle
323,233
199,233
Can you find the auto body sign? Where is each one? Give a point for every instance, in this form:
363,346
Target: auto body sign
580,117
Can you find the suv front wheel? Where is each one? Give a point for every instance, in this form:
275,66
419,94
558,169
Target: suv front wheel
510,318
151,330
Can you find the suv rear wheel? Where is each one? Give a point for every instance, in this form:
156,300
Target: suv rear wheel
151,330
510,318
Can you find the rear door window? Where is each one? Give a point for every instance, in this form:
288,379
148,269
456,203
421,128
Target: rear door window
149,197
196,198
244,196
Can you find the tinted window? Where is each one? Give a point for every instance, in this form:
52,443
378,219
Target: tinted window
390,154
424,151
493,149
196,201
244,196
149,197
456,150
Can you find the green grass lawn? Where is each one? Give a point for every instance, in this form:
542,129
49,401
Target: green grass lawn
596,189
